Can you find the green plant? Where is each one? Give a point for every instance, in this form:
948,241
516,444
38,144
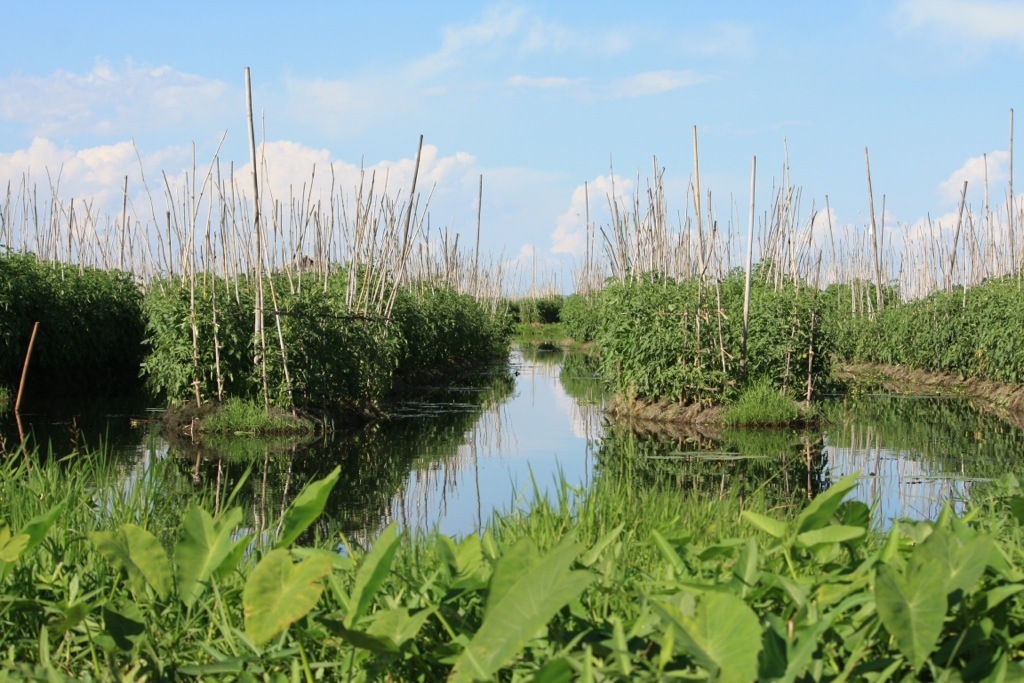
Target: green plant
762,405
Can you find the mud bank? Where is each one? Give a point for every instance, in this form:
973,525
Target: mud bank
1001,398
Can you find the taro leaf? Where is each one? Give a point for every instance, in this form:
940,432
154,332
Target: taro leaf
912,609
11,547
555,671
820,510
371,574
140,554
854,513
38,526
836,533
962,563
278,593
773,527
202,548
388,632
724,636
306,507
511,567
525,607
125,626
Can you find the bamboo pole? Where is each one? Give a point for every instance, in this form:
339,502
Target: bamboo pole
260,354
24,368
874,237
750,258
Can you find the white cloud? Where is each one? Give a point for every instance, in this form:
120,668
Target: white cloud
984,21
493,30
570,233
974,172
654,83
124,100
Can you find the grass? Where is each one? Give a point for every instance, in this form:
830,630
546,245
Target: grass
240,416
762,405
5,398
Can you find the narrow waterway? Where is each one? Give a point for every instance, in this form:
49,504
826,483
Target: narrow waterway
458,454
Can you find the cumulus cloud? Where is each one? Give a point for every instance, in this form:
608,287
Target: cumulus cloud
121,100
570,233
984,21
994,164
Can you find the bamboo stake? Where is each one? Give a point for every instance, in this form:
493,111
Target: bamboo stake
260,356
24,368
750,258
874,237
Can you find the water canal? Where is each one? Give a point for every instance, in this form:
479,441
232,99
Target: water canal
456,455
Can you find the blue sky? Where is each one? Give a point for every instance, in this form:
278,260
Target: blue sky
538,97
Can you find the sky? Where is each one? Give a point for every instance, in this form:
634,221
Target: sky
538,98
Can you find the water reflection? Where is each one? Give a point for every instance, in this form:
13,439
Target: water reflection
918,454
453,456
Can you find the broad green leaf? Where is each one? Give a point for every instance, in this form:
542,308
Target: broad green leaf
38,526
524,609
371,573
773,527
963,563
913,611
835,533
12,546
306,507
724,636
124,626
388,632
510,568
1000,593
820,510
235,556
278,593
201,549
140,554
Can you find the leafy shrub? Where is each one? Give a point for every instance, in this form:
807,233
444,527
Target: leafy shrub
661,339
336,357
90,326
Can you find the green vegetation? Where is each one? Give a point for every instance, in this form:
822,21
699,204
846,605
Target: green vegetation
762,405
974,334
238,416
682,341
322,355
90,327
543,310
137,576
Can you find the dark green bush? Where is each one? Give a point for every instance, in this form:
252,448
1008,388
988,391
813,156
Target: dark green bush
90,326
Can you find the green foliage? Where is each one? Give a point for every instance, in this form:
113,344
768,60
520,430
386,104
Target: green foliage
579,313
338,359
90,326
543,310
762,405
613,584
661,339
239,416
977,335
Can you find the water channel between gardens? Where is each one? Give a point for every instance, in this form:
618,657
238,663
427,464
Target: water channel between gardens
456,455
